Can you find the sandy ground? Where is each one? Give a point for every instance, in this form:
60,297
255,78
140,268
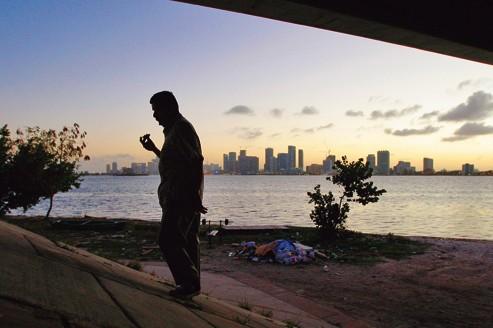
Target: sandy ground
451,285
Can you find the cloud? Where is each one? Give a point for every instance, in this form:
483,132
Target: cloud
277,134
276,112
478,106
249,133
470,130
298,130
327,126
354,113
429,115
239,110
393,113
413,132
309,110
463,84
383,100
472,83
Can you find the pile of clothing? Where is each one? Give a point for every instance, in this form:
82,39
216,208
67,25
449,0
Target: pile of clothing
281,251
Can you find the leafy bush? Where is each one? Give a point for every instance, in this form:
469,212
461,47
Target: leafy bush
330,214
37,164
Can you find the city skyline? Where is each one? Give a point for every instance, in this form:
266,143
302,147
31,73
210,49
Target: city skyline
380,162
327,91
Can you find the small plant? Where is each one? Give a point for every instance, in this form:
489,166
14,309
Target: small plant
330,214
266,313
292,324
134,265
242,320
245,305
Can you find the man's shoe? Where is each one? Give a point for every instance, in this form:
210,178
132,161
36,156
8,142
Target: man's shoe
184,291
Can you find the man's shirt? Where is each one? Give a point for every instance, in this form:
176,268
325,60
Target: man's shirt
180,168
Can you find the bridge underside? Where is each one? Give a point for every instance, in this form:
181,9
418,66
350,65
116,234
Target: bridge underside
456,28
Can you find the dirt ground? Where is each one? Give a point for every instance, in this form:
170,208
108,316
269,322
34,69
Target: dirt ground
451,285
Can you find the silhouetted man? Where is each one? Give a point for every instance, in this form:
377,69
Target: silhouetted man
180,193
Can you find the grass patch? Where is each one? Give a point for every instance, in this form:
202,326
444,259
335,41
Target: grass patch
137,241
245,305
349,247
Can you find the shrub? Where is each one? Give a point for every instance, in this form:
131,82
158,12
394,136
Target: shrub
330,214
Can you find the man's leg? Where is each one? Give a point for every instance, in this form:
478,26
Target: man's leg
173,243
193,243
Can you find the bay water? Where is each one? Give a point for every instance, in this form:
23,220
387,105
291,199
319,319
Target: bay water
440,206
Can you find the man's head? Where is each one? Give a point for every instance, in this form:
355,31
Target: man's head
164,106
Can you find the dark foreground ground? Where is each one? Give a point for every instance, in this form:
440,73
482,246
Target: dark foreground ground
384,281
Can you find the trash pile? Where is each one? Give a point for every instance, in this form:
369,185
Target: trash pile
280,251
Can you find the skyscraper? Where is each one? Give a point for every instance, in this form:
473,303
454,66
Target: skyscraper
291,157
226,166
300,159
428,166
232,162
247,164
383,162
269,160
108,169
114,168
283,162
328,164
370,159
467,169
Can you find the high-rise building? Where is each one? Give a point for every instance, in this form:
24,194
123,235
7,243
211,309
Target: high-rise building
211,168
314,169
153,166
404,168
370,159
138,168
230,164
283,162
226,168
247,164
269,161
428,166
300,159
383,162
328,164
467,169
292,157
108,169
114,168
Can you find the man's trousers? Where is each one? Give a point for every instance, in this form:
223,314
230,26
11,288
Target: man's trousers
179,243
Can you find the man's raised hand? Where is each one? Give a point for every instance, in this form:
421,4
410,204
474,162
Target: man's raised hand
147,143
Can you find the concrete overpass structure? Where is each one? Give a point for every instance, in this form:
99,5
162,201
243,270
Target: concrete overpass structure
456,28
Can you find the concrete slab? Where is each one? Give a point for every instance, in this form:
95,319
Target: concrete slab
235,292
59,288
44,285
18,315
152,311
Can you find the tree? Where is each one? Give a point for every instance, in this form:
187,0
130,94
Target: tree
330,214
43,163
5,161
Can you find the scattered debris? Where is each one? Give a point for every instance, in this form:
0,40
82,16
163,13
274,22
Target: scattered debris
280,251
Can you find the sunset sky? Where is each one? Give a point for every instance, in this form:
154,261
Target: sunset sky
243,81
